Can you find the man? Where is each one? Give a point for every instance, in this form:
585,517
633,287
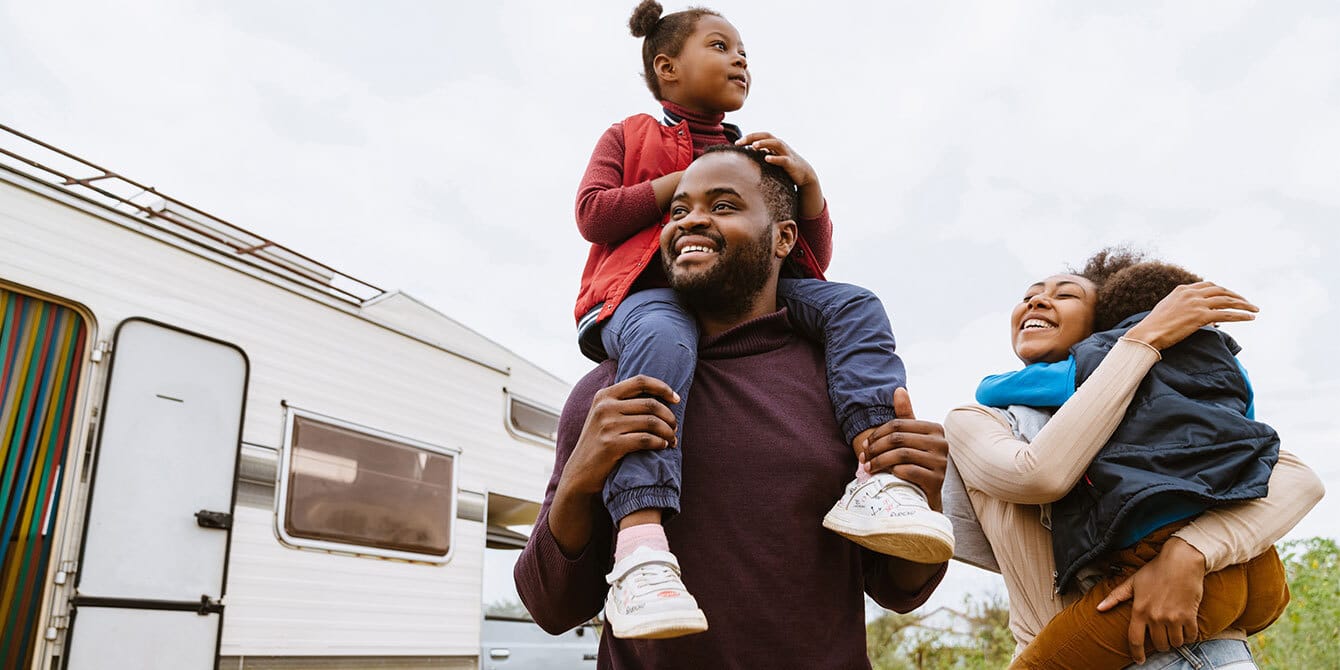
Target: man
779,590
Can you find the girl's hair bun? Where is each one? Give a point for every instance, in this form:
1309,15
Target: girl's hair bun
644,18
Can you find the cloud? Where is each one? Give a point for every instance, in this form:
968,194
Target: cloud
965,149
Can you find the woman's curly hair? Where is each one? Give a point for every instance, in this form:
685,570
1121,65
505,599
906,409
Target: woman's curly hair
1128,283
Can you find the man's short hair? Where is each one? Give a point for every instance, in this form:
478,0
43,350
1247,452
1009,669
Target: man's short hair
779,192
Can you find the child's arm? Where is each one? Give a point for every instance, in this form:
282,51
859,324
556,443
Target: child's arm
1037,385
609,212
813,222
992,460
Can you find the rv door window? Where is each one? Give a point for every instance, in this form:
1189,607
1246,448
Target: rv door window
353,489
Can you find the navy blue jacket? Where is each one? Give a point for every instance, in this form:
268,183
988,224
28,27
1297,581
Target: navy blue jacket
1185,440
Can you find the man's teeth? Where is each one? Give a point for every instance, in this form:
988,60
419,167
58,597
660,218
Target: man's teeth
1037,323
695,247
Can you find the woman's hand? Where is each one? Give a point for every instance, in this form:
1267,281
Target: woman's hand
1167,593
1187,308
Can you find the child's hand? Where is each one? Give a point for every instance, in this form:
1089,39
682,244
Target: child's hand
781,155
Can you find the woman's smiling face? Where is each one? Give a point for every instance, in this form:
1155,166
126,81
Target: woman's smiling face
1054,315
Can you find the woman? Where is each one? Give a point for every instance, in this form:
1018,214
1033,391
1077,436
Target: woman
1008,476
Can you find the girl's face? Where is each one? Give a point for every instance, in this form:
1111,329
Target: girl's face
710,73
1055,314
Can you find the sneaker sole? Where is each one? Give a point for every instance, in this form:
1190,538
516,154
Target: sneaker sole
657,627
914,540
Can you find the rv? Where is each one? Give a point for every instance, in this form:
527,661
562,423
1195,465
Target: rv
220,453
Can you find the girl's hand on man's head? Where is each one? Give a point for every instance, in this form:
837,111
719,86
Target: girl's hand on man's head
1188,308
779,153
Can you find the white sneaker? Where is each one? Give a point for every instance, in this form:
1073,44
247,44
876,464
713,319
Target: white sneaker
890,516
647,599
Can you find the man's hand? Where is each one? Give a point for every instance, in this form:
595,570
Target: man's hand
625,417
915,451
1167,592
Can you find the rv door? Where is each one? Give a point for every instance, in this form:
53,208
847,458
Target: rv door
153,561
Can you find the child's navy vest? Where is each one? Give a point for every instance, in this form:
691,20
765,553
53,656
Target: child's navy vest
1185,437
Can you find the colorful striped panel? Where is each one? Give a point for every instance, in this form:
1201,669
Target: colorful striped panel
41,348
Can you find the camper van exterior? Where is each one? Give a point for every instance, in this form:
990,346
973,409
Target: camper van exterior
220,453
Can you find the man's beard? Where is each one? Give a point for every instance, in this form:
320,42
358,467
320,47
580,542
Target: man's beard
728,288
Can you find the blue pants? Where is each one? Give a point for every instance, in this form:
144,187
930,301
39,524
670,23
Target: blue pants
1207,655
653,334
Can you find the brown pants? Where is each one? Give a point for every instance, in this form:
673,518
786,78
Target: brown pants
1248,596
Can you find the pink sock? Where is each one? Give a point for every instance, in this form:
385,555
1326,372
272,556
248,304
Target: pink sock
861,474
649,535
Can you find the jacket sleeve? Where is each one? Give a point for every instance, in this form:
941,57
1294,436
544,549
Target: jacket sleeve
818,233
1037,385
881,587
561,591
992,460
607,211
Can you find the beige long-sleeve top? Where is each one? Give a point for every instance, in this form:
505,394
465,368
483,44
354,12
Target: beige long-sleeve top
1008,478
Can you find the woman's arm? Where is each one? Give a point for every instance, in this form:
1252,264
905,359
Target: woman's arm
1167,590
992,460
1237,533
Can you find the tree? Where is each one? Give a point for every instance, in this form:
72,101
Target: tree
1307,635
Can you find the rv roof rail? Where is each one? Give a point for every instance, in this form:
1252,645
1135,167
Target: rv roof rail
185,222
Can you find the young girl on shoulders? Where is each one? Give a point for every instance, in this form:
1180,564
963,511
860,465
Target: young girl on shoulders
695,64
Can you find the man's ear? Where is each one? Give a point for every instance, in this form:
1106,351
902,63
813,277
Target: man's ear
664,67
785,238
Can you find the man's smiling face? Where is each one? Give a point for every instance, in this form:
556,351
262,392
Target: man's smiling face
720,248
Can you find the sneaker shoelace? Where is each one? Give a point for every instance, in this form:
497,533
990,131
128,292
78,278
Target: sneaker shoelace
874,498
652,576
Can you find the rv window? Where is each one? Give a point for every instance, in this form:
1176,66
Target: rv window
528,419
346,488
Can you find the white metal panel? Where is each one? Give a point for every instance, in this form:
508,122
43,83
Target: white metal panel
307,352
316,354
118,639
175,403
302,602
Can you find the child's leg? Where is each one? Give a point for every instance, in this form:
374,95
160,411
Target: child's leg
863,368
650,334
1082,637
1267,592
879,512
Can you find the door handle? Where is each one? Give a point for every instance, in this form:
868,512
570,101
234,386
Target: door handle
208,519
500,654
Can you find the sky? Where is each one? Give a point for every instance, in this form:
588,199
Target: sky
966,149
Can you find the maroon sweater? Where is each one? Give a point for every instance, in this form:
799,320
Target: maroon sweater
764,460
